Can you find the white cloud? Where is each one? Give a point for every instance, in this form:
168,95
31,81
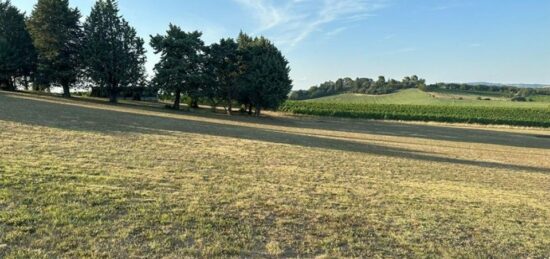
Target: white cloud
289,22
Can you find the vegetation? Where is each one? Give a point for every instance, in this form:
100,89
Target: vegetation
17,53
100,180
57,35
179,70
468,114
382,87
113,56
360,85
264,81
440,98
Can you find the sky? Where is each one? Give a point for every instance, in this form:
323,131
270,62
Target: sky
500,41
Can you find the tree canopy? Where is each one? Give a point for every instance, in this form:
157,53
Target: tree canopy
17,53
113,54
265,76
179,69
56,32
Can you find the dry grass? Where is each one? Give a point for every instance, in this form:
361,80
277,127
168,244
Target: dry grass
85,179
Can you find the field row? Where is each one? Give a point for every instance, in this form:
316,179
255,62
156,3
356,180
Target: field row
539,117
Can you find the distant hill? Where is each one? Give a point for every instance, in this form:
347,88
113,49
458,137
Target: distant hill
440,98
515,85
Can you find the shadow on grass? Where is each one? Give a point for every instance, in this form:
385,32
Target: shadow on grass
72,117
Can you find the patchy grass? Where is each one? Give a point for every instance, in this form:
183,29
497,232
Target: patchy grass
85,179
437,98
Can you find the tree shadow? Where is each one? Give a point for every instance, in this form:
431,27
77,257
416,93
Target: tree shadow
96,119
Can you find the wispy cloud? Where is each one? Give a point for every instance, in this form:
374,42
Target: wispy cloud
290,22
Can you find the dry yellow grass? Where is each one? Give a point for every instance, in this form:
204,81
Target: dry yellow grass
82,178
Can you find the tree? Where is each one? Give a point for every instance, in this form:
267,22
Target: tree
113,55
265,72
179,69
17,53
223,62
57,35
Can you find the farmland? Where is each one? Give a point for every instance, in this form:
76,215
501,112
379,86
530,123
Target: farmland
439,98
415,105
83,178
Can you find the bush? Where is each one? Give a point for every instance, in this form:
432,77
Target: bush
519,99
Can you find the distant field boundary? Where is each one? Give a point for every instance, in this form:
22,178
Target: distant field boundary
534,117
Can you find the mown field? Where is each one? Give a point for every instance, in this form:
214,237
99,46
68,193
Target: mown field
81,178
439,98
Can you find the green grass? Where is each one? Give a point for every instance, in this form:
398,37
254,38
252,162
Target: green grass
497,115
87,179
442,98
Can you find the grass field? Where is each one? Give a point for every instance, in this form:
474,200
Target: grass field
81,178
444,98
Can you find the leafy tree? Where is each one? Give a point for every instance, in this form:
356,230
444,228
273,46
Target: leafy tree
17,53
265,72
113,54
57,35
223,62
179,69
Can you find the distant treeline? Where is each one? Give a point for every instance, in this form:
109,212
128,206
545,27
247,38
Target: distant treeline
383,86
359,85
510,91
54,48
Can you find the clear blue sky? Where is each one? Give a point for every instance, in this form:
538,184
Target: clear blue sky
503,41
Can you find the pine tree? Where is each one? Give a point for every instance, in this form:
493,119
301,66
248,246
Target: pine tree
17,53
264,78
113,54
180,68
56,33
223,61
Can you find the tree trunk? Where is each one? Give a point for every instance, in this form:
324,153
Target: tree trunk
194,103
258,111
229,107
26,83
176,105
249,109
113,92
67,90
11,84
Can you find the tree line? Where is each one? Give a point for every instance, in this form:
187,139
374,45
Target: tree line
359,85
52,47
383,86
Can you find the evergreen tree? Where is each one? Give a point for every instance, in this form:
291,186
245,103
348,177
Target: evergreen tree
180,68
265,72
223,61
57,35
113,54
17,53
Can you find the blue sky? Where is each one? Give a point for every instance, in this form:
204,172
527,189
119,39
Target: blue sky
503,41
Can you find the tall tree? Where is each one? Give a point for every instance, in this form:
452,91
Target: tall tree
113,54
180,68
223,59
265,74
17,53
57,35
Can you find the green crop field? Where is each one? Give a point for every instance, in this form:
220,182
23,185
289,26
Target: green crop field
442,106
446,98
83,178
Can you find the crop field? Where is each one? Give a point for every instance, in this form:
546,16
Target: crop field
521,116
439,98
82,178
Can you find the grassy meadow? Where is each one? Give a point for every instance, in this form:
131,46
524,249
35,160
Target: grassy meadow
439,98
83,178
